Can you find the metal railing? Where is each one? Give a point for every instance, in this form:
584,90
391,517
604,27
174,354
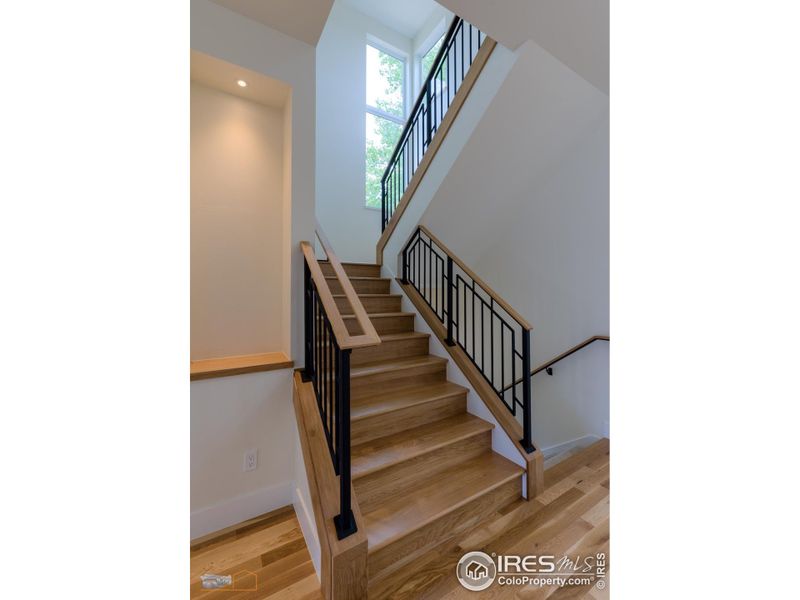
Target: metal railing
548,366
459,48
328,346
493,335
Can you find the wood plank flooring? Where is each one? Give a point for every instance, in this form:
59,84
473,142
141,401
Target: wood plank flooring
267,557
571,517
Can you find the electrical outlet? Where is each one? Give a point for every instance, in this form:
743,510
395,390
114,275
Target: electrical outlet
251,459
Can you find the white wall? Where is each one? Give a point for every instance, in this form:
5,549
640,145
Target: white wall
230,415
352,228
564,291
237,296
531,217
231,37
519,191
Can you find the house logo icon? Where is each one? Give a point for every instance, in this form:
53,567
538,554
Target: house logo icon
476,571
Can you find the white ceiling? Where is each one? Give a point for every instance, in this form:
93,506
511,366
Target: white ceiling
223,76
404,16
300,19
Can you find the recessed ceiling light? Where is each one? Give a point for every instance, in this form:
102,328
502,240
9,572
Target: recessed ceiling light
242,83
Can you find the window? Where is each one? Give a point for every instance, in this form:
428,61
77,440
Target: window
440,79
430,56
386,92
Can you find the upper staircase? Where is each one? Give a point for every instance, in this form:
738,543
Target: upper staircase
423,468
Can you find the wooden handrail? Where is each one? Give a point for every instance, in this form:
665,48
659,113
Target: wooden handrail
498,300
368,336
562,356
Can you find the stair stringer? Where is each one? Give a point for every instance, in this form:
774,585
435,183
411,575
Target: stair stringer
501,442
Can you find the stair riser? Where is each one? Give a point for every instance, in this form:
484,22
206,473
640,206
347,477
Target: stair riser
353,270
361,286
369,384
372,305
373,427
398,324
394,556
390,349
376,487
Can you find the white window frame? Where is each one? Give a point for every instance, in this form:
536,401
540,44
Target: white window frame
430,40
402,57
381,46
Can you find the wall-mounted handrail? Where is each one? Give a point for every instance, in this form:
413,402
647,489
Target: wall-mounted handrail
499,346
460,47
573,350
328,346
548,366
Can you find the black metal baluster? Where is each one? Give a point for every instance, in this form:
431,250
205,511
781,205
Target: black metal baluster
383,202
430,268
461,27
345,521
331,393
470,44
513,371
438,283
503,365
307,368
473,320
527,434
318,350
491,319
483,340
449,341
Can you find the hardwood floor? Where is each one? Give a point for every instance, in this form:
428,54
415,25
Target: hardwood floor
571,517
267,557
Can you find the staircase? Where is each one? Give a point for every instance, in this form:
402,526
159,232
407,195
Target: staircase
423,468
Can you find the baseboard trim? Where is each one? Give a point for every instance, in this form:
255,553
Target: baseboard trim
241,508
586,440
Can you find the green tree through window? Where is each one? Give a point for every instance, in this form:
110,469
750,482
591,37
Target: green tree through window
430,56
384,118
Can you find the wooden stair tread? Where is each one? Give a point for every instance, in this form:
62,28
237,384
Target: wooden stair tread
389,401
378,454
368,295
392,337
382,366
384,315
405,335
359,278
350,264
437,496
